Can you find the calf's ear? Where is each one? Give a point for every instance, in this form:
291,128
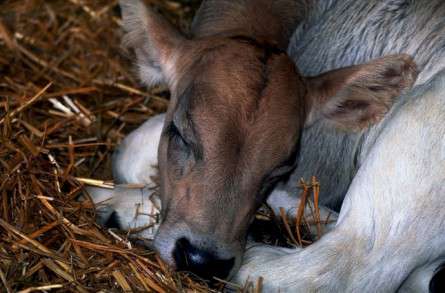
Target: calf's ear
355,97
154,40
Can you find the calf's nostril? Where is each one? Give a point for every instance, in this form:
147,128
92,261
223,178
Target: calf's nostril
201,262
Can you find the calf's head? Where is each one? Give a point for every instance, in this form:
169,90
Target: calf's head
238,106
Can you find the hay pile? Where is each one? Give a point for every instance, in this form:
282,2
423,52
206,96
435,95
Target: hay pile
67,97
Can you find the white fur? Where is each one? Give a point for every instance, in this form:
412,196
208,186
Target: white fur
134,208
134,162
136,158
419,280
392,217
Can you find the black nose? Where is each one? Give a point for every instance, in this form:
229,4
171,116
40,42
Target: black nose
200,262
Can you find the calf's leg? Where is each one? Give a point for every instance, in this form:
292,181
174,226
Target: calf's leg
134,162
136,158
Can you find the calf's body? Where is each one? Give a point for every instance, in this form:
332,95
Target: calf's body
341,33
392,217
388,179
392,174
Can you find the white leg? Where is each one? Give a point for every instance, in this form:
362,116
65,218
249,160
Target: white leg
136,158
392,218
419,280
134,162
365,253
127,208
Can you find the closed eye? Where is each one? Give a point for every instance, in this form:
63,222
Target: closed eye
187,142
174,133
178,151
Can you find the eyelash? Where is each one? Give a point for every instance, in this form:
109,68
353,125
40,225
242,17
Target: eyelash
175,134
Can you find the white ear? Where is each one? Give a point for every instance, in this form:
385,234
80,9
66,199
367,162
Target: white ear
154,41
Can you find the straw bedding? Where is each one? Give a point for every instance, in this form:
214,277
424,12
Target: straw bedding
67,97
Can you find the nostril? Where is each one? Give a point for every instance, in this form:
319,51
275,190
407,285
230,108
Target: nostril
200,262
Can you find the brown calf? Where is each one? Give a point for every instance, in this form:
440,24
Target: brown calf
238,106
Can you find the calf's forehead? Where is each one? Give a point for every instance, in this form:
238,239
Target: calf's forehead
249,104
258,139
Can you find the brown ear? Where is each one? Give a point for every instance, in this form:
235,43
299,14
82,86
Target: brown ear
355,97
154,40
